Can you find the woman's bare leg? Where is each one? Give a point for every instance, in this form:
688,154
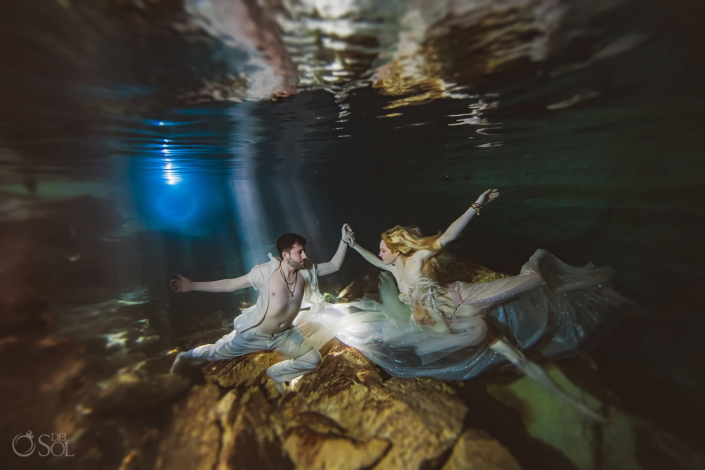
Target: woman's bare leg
468,311
537,374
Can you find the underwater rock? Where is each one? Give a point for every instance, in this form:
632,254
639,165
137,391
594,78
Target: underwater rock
310,449
345,414
137,388
38,376
193,439
124,442
116,361
625,442
555,423
365,284
232,431
105,422
242,371
477,450
252,430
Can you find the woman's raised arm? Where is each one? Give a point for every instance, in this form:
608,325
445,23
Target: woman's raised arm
459,225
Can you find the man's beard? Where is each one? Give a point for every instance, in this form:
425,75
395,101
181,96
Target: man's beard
296,264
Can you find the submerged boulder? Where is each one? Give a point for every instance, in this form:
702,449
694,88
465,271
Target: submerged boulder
139,387
345,414
625,442
477,450
38,376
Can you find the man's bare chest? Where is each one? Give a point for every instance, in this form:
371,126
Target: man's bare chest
282,292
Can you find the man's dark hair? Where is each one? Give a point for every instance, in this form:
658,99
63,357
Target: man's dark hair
287,241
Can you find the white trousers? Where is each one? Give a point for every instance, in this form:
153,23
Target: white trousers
291,343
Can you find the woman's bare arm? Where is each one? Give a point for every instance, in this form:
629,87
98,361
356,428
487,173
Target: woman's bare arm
373,259
459,225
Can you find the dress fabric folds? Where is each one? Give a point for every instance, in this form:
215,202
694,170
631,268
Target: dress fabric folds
445,331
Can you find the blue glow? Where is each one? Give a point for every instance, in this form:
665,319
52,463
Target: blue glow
177,207
169,194
161,123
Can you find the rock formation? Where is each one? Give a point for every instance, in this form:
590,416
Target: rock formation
345,414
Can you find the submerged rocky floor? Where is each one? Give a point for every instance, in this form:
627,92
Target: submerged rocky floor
346,414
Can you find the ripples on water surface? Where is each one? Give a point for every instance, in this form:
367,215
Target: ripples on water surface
568,106
208,127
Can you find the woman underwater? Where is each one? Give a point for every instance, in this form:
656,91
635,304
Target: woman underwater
457,330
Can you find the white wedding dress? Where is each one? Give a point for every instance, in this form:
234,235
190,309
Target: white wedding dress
550,307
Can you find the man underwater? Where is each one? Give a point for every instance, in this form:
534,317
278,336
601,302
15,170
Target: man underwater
284,284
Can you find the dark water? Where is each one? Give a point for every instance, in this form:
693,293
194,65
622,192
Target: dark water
199,144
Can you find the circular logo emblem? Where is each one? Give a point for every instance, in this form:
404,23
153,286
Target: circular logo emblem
32,444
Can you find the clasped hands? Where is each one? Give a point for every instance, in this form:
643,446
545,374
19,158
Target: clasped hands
348,236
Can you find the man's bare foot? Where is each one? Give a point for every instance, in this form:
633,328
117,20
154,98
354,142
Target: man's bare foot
179,363
280,386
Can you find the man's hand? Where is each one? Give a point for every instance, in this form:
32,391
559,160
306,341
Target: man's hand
181,284
488,196
348,235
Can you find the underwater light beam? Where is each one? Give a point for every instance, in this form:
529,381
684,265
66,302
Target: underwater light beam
294,196
250,215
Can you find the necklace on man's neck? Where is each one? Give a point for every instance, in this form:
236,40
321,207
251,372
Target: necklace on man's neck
296,278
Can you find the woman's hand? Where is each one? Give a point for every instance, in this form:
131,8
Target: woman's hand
348,236
487,197
181,284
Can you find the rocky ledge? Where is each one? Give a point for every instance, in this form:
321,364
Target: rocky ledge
345,414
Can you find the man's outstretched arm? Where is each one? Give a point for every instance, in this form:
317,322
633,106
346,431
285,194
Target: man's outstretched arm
334,265
183,284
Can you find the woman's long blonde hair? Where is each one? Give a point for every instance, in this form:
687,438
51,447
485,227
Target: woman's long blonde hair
408,240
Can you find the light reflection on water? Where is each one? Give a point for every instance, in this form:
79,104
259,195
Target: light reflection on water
347,102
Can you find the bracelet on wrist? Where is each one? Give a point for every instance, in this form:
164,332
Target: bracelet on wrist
477,206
